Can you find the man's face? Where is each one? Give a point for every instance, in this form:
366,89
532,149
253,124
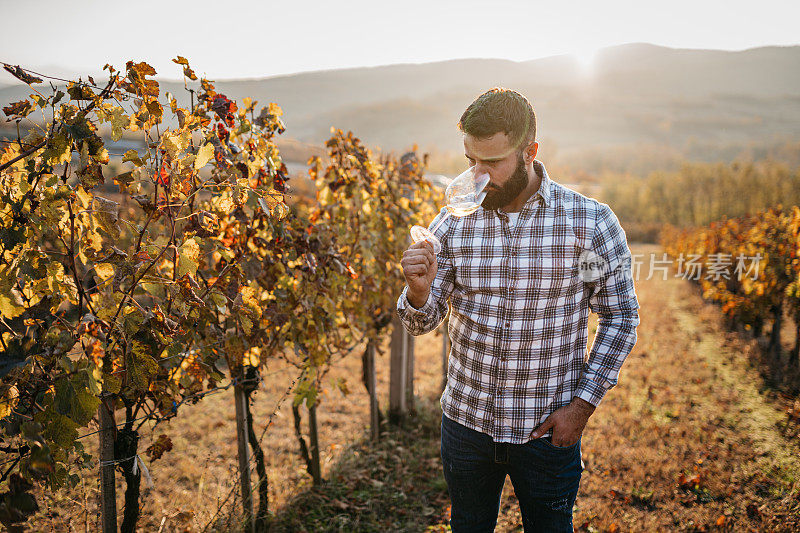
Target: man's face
506,167
504,195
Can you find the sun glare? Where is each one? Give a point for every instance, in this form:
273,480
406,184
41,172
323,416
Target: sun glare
585,59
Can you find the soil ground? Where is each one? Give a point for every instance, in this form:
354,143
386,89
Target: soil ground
691,439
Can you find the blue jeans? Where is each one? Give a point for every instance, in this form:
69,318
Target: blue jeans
545,478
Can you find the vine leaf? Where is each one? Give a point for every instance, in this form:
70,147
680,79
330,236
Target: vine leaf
175,141
19,109
58,428
141,365
106,214
10,305
188,258
204,155
21,75
8,400
73,400
133,157
162,445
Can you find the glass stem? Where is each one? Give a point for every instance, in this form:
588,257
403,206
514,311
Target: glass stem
445,217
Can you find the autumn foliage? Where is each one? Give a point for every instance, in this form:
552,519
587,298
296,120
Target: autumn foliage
761,294
194,270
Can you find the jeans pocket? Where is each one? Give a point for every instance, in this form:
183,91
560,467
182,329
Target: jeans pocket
548,441
462,449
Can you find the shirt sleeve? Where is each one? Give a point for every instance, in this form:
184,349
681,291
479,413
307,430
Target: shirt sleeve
433,312
614,300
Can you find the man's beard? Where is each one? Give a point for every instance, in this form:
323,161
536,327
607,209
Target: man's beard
507,193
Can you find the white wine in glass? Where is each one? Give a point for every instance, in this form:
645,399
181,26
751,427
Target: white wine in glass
464,196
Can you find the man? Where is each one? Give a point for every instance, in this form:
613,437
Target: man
520,275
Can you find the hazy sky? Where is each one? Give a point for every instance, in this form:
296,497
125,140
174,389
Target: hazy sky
230,38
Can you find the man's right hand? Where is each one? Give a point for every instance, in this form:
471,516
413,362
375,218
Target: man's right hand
419,269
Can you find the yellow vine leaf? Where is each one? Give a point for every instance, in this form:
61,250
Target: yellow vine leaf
8,401
106,214
204,155
119,123
189,254
133,157
174,142
104,270
58,150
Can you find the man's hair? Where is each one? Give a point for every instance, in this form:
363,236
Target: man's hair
497,110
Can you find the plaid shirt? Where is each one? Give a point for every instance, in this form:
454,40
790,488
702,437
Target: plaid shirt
519,310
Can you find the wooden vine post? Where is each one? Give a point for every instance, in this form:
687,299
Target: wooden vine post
401,373
372,382
398,368
408,348
240,398
316,471
108,494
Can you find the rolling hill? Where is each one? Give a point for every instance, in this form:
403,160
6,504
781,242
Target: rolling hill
636,98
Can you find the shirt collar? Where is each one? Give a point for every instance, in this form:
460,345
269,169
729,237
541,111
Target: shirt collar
544,189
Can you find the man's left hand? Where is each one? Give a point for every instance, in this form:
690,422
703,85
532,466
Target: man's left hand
567,423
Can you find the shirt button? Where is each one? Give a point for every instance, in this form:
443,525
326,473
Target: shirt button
508,324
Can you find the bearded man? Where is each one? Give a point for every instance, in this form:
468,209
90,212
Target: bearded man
519,277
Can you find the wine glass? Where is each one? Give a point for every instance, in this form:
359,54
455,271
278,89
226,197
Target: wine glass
463,195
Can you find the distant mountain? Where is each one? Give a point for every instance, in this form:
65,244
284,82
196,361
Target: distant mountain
635,94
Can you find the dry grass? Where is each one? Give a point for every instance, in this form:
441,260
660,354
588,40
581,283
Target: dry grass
690,402
191,481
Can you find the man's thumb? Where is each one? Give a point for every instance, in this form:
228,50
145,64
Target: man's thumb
547,424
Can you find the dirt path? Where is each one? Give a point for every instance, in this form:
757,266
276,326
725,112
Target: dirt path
690,439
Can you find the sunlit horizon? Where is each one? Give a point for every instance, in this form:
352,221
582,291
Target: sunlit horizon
585,58
248,40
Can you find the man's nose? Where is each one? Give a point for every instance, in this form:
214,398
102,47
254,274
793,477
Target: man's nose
481,168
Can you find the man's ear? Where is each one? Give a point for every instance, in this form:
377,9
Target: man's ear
530,151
